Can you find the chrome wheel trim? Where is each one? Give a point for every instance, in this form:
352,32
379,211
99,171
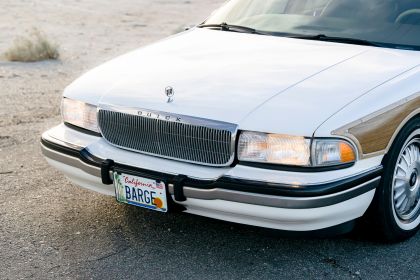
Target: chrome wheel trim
406,184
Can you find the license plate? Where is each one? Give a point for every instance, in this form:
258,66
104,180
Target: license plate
142,192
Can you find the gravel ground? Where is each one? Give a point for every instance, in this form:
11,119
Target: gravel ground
51,229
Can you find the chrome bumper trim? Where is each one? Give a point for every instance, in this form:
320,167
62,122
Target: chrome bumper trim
71,161
278,201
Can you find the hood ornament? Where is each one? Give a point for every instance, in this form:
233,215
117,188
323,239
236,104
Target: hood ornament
170,94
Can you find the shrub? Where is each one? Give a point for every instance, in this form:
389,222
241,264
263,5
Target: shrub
35,47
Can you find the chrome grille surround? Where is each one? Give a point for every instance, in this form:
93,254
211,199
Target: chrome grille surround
167,135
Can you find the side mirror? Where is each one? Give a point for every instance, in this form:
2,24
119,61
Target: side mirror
188,27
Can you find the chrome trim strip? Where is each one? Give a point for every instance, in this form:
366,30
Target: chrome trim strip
166,116
61,142
373,169
71,161
278,201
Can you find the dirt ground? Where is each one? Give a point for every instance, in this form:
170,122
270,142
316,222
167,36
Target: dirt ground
51,229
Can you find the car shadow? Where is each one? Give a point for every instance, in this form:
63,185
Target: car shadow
127,240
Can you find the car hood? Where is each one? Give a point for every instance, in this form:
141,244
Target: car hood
258,82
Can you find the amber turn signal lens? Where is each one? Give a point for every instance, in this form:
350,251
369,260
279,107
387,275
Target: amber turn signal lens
347,153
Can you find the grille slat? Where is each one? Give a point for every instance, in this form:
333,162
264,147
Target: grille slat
176,140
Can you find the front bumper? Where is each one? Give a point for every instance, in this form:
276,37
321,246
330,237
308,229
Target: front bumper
286,206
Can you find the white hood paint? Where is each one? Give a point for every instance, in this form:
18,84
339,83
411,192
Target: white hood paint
259,82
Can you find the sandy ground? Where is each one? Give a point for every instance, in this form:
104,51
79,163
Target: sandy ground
52,229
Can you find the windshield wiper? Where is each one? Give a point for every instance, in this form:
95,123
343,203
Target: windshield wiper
322,37
230,27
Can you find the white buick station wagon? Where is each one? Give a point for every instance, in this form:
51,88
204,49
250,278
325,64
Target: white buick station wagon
293,115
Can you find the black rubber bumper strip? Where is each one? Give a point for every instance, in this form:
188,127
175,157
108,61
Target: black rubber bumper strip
225,182
82,154
296,190
83,130
60,148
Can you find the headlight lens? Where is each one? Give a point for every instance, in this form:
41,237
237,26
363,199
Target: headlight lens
79,114
274,148
294,150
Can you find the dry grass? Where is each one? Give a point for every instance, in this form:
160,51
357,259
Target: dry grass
34,47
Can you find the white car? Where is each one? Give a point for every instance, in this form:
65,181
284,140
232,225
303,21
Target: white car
292,115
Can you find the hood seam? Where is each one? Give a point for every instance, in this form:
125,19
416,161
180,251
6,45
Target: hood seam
297,83
362,95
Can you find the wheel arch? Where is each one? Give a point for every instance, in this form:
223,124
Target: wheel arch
404,123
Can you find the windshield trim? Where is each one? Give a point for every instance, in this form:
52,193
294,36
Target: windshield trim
378,24
312,37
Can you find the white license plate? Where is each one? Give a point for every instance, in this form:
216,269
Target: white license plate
142,192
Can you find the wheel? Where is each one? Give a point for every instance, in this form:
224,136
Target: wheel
396,204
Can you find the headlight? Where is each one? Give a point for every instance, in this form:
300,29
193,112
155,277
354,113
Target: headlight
79,114
274,148
293,150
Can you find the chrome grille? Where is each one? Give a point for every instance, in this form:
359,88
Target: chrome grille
211,143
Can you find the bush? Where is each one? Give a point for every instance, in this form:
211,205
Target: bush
35,47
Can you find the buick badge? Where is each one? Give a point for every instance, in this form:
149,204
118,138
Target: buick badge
170,94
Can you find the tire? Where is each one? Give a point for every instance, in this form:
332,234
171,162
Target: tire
395,210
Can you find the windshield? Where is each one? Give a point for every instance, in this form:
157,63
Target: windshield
385,22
